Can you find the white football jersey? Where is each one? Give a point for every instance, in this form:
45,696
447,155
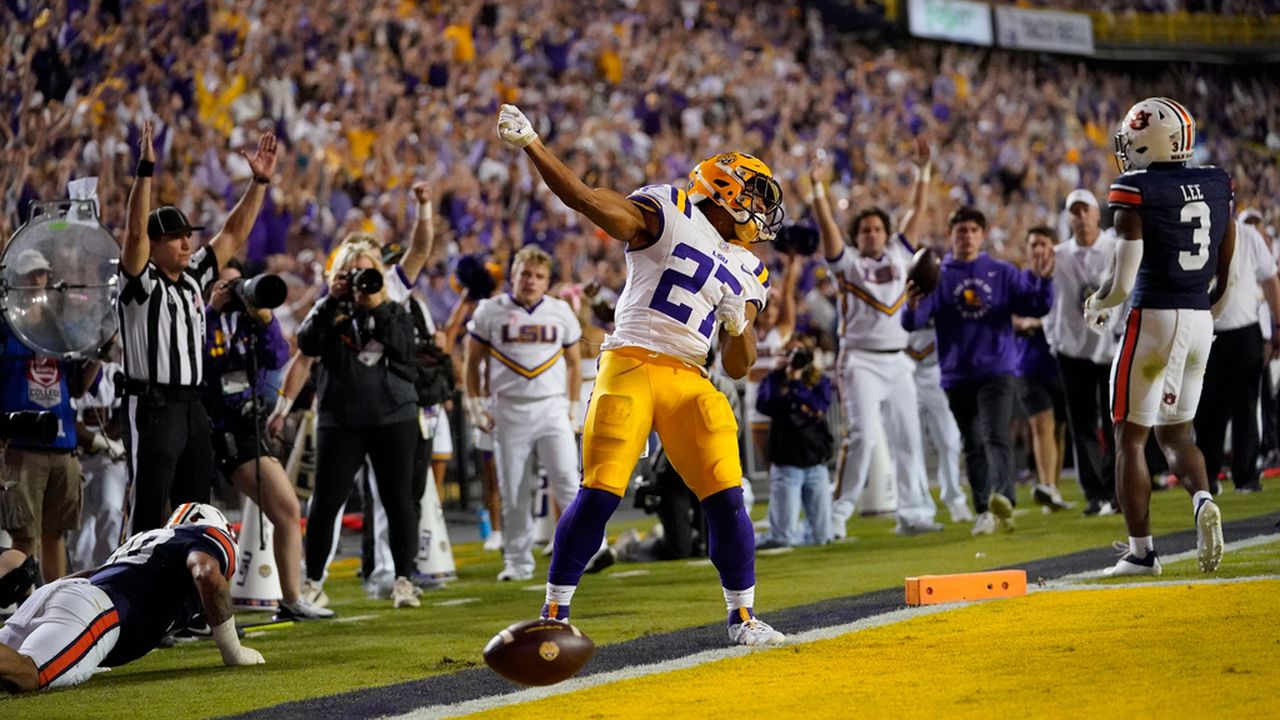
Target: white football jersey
873,292
673,286
921,346
399,290
768,349
526,345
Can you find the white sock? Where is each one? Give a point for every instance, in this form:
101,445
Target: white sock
734,599
1140,547
560,594
1198,499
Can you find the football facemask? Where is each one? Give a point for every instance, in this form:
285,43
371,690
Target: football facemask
743,186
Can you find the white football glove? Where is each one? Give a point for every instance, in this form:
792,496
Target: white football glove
1096,316
575,416
514,128
732,312
477,414
233,653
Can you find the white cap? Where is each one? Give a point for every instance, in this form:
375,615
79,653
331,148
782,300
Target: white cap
29,261
1081,195
1250,215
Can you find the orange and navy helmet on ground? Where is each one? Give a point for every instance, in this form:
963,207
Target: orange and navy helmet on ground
744,186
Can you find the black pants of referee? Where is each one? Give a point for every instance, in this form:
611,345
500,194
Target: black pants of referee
170,458
340,451
1232,381
1088,389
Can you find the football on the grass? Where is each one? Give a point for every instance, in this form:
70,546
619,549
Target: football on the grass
925,270
539,652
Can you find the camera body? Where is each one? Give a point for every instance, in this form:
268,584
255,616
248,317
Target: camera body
798,238
801,358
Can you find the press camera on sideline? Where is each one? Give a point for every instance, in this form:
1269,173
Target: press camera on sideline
264,292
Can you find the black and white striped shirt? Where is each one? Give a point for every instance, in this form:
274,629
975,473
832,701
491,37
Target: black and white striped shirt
162,322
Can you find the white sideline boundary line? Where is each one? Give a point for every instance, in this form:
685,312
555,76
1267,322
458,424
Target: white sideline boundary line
707,656
1067,582
1074,581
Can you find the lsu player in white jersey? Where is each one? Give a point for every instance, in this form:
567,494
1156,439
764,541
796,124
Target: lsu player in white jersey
531,342
875,375
689,278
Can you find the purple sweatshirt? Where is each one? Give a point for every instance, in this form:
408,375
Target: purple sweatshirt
972,307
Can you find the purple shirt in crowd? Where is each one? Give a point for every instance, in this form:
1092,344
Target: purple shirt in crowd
973,307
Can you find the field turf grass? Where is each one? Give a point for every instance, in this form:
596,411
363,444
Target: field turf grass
374,645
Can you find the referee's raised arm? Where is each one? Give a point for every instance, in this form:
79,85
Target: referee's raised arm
136,249
235,231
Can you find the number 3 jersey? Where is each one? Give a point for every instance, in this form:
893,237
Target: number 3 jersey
673,285
1185,212
148,581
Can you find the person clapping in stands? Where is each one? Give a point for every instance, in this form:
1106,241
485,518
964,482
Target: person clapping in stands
363,345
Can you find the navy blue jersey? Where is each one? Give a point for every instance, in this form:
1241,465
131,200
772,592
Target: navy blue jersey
1185,212
148,580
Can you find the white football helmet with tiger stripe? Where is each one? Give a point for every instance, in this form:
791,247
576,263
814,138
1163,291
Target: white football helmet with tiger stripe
199,514
1155,130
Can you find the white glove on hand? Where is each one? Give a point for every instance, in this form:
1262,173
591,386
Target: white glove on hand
514,128
1096,316
115,449
477,414
233,653
732,312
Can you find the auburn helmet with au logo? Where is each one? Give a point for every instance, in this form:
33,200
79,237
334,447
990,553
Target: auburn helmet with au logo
1155,130
744,186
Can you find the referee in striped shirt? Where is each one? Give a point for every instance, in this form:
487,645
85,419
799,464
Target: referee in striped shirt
163,277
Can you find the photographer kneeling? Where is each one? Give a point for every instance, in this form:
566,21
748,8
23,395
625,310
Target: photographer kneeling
366,408
244,342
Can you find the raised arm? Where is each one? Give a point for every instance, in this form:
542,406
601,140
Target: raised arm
828,230
423,237
914,219
608,209
137,247
235,231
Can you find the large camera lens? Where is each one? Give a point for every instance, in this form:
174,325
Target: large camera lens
263,291
367,281
800,358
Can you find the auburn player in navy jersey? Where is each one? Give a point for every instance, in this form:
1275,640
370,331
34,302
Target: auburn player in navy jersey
1176,239
690,278
151,585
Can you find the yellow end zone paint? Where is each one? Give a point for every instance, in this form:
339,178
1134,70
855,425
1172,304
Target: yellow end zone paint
1182,651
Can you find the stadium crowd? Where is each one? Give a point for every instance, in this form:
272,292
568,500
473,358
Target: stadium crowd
368,99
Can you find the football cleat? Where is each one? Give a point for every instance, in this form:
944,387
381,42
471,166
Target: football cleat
493,542
747,629
960,512
1130,564
744,186
903,528
1208,535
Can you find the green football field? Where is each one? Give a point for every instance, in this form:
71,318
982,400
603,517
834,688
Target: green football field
372,645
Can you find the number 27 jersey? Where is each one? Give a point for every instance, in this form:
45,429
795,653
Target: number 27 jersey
673,285
1185,212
